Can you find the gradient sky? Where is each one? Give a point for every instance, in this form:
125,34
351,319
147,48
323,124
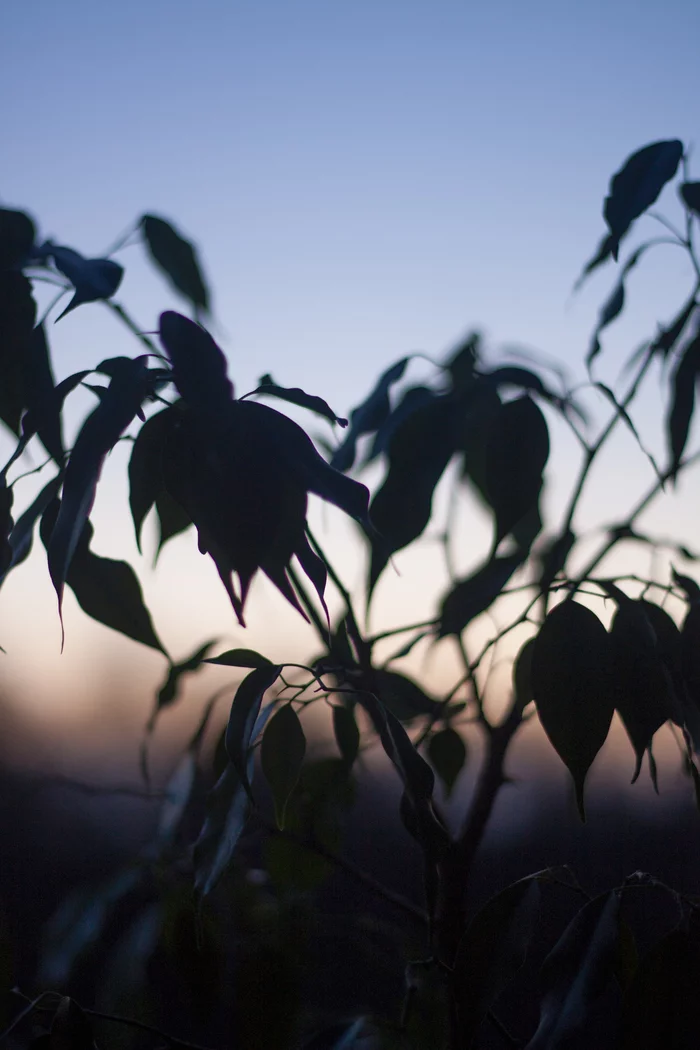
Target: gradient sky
362,180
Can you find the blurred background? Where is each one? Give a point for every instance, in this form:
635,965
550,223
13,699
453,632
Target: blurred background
363,180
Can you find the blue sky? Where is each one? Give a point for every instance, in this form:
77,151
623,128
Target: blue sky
362,180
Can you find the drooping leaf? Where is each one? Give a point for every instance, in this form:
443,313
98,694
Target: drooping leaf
661,1007
684,381
244,713
98,435
176,258
419,451
690,195
296,396
413,399
347,735
644,696
576,973
43,403
516,453
281,755
689,586
602,254
625,416
690,653
447,753
20,538
637,184
6,525
401,695
667,337
92,279
368,416
492,951
239,658
17,319
17,236
172,520
106,590
571,687
228,807
146,482
199,365
473,596
611,309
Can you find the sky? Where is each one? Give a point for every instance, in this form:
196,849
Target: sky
362,180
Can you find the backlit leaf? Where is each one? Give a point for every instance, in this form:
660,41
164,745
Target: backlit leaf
296,396
281,755
244,713
571,687
239,658
611,309
637,184
176,258
368,416
473,596
492,951
602,254
146,481
576,973
667,337
447,753
92,279
684,381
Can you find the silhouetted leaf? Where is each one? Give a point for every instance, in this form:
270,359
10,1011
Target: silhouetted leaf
685,378
625,416
401,695
199,365
92,279
413,399
296,396
167,694
473,596
514,375
571,687
602,254
576,973
661,1007
44,412
6,525
227,812
17,235
20,538
176,258
690,652
690,587
281,755
368,416
239,658
172,520
611,309
347,735
690,195
447,753
644,695
516,453
669,336
98,435
146,480
492,951
17,318
419,451
637,184
244,713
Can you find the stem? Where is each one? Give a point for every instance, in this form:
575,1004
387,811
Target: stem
132,326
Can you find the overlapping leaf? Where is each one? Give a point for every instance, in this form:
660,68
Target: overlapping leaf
474,595
690,195
571,687
200,371
176,258
447,753
244,714
17,235
684,382
369,416
296,396
17,319
347,735
281,755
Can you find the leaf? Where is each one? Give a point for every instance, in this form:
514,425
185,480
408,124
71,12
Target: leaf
602,254
571,687
199,365
637,184
661,1007
98,435
419,451
172,520
684,381
522,674
44,412
20,538
477,593
690,195
492,951
239,658
516,453
690,587
227,812
625,416
296,396
17,235
92,279
369,416
667,337
146,482
644,695
242,719
611,309
281,755
413,399
401,695
576,973
17,318
347,735
447,753
167,694
176,258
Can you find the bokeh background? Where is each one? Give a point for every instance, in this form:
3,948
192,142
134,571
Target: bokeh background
363,180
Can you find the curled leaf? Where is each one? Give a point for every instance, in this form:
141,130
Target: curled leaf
296,396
